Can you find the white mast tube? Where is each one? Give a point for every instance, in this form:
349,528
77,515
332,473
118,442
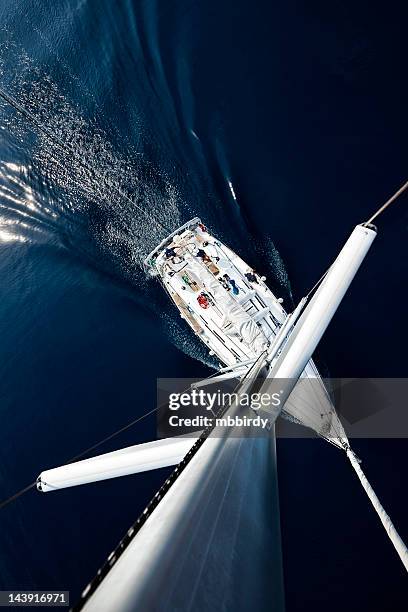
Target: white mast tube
225,499
317,315
383,516
131,460
285,329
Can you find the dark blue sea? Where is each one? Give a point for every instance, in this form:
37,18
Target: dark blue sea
280,124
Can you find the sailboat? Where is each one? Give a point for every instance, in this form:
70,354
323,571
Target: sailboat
210,538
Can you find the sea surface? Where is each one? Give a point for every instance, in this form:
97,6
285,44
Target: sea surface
281,125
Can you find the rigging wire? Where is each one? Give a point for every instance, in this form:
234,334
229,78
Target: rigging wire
17,495
387,203
65,146
382,208
27,488
81,454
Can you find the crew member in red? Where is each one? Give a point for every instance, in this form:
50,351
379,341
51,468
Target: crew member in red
203,300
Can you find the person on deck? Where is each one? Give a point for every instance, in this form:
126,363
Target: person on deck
250,276
225,283
170,252
234,286
203,255
203,300
215,257
190,282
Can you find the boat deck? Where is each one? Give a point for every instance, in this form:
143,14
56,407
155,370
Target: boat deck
226,303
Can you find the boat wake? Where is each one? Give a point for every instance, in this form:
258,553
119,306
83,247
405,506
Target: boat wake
88,190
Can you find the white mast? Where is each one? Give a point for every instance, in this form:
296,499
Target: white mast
176,543
183,553
318,313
